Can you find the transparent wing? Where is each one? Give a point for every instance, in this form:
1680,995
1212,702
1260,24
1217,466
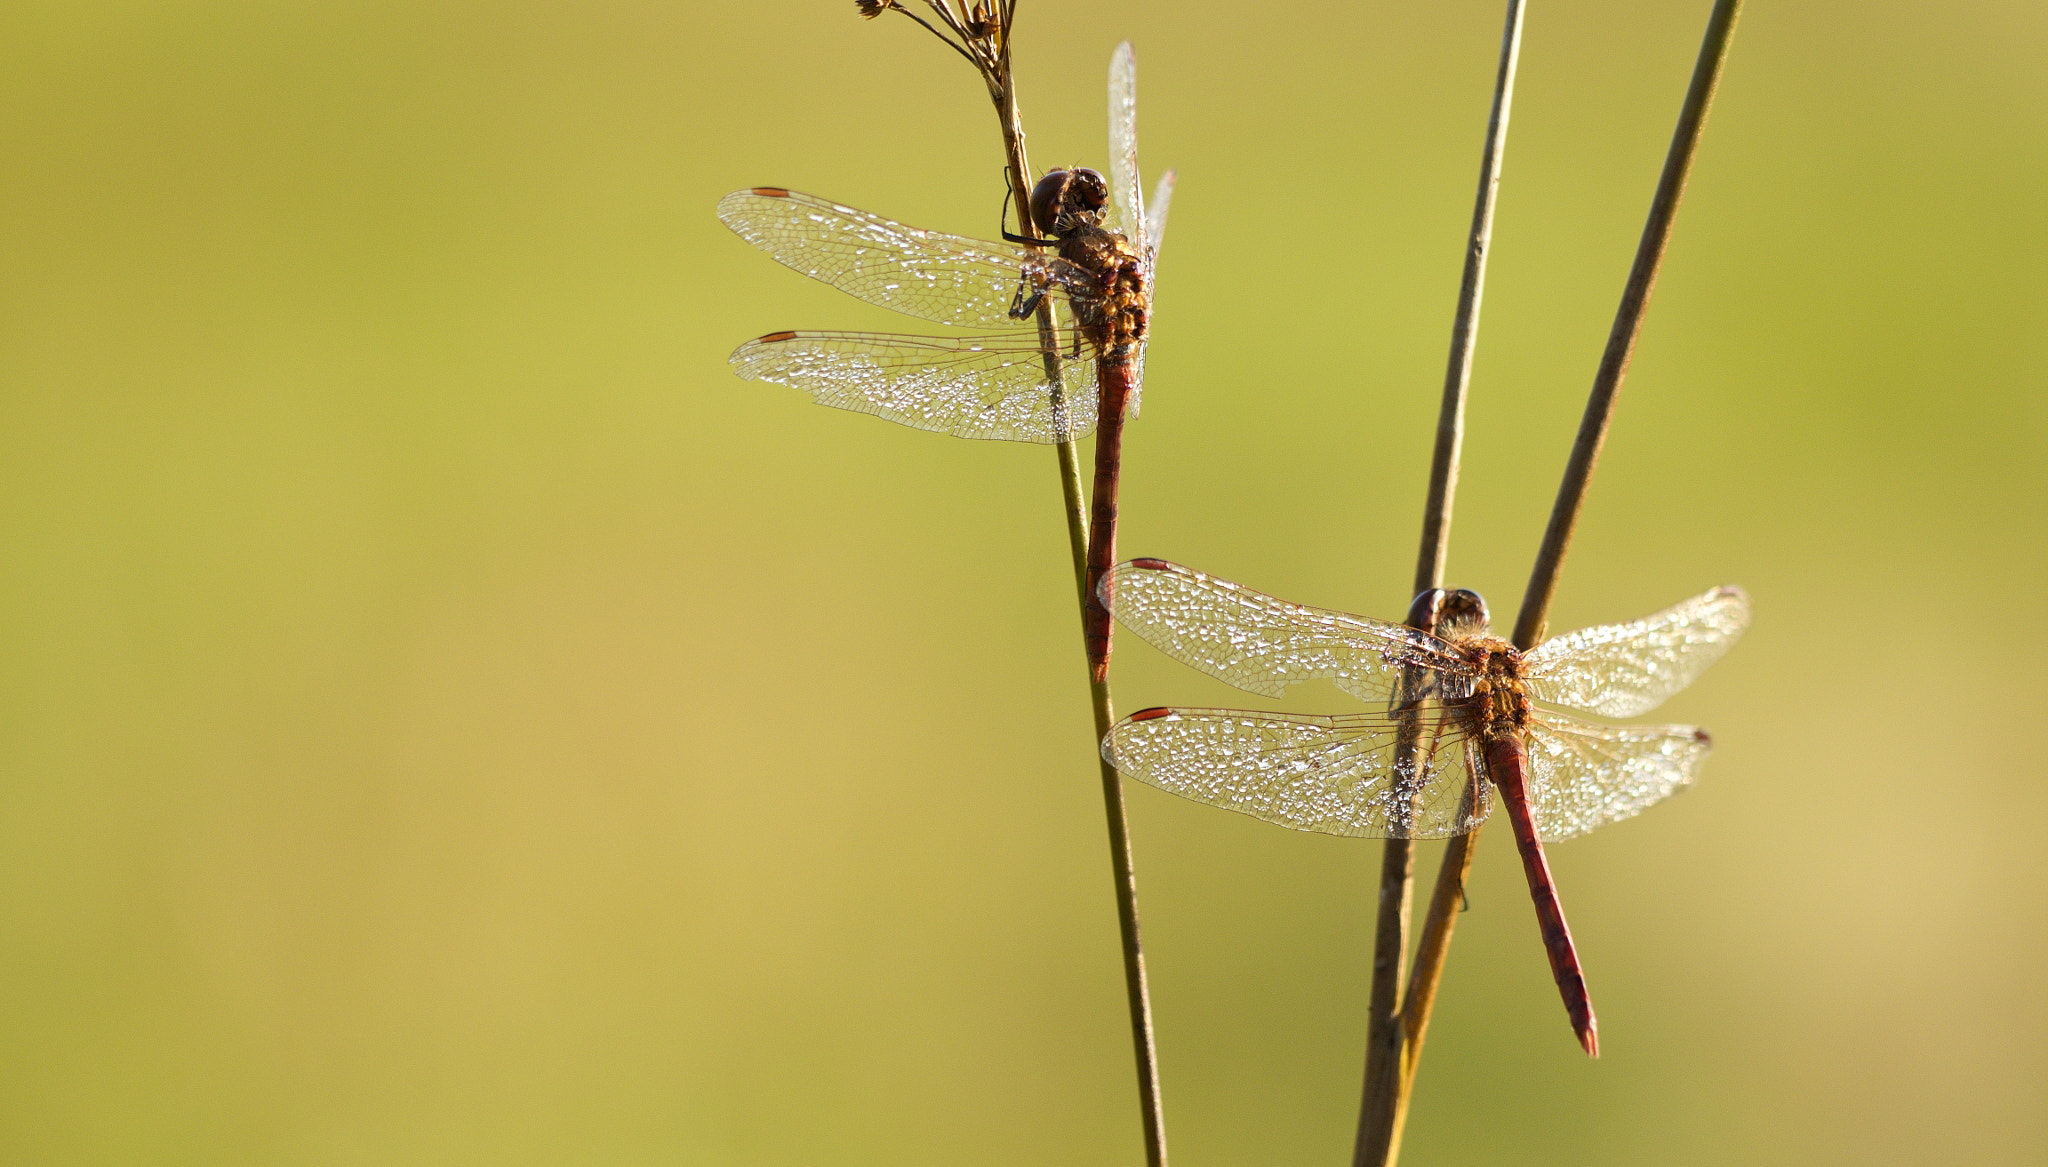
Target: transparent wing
1623,670
1125,196
1583,775
1155,221
970,387
950,279
1137,396
1342,775
1263,645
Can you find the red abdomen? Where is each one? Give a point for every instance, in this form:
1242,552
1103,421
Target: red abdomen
1115,379
1507,765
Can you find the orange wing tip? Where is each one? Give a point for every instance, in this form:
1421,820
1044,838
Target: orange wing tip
1151,564
1705,739
771,192
775,338
1152,714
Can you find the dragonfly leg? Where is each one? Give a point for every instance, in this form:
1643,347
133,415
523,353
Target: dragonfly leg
1027,300
1004,219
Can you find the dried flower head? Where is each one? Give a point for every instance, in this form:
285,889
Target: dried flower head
981,21
870,9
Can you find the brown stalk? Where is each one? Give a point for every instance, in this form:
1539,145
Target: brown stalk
990,53
1571,495
1380,1105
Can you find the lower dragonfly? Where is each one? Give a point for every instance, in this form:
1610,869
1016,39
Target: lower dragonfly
1459,725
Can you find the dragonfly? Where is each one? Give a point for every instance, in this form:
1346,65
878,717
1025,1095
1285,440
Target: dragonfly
1014,380
1454,723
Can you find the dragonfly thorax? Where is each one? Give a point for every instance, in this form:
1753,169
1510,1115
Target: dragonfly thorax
1499,701
1069,206
1117,319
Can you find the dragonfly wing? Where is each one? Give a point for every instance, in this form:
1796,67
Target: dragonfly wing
1261,644
1125,195
1137,396
1341,775
1155,221
950,279
1583,775
1622,670
970,387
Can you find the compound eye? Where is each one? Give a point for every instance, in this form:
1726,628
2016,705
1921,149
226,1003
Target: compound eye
1048,200
1463,614
1089,193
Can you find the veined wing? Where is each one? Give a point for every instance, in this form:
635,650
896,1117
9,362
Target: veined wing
1583,775
967,386
1126,198
950,279
1622,670
1144,227
1341,775
1155,222
1137,397
1263,645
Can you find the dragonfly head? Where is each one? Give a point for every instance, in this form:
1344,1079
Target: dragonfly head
1065,201
1452,614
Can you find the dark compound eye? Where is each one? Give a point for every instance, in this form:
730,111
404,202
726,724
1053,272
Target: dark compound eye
1088,194
1048,199
1064,199
1463,614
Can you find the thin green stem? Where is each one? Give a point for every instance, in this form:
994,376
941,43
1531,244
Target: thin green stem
1383,1103
1137,991
1571,493
988,49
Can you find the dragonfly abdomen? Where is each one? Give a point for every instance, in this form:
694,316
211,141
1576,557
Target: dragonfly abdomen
1507,765
1117,378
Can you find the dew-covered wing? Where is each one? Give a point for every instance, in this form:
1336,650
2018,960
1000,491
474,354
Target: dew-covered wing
1340,775
1155,223
1126,197
950,279
1583,775
1622,670
970,387
1264,645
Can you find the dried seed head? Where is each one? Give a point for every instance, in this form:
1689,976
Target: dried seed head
981,21
869,9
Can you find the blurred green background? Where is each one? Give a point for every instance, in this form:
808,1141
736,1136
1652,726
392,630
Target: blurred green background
446,718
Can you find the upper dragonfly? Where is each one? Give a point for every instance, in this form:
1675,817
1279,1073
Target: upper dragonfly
1457,716
1018,383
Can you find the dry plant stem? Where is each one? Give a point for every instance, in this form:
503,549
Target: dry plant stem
1530,622
1450,426
1628,321
1382,1104
1383,1038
